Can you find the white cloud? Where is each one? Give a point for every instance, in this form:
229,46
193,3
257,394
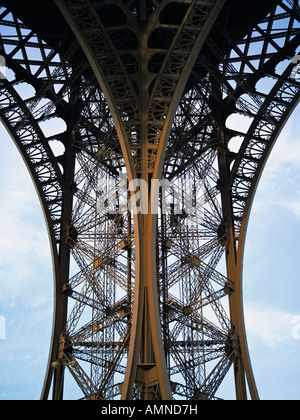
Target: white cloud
269,325
24,244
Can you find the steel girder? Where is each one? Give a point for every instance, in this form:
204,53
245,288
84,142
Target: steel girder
148,91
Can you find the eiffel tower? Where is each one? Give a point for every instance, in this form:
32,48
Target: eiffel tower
142,94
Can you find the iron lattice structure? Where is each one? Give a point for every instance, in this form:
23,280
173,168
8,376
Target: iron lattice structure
147,306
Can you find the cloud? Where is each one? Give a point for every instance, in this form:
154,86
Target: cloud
26,279
269,325
24,245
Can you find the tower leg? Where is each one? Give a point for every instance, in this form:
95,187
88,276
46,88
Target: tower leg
234,270
147,369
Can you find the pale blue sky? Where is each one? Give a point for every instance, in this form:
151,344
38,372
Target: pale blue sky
271,271
271,277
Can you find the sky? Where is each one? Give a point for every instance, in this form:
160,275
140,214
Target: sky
26,286
271,276
271,271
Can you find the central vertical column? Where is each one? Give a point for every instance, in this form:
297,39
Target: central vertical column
146,368
146,373
143,104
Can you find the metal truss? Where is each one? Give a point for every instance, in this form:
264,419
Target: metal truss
148,306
